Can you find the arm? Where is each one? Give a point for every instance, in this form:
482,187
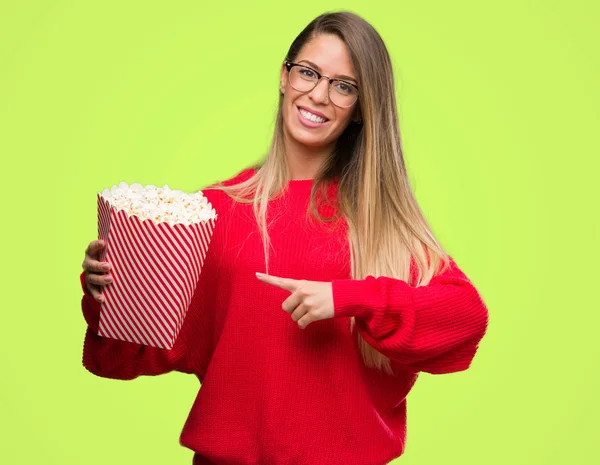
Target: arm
434,328
111,358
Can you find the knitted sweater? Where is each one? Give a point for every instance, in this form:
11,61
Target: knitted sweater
272,393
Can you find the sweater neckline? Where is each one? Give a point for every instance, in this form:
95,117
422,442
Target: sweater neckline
301,184
304,185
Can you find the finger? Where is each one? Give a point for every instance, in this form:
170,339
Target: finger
96,294
94,247
283,283
99,280
305,321
299,312
291,303
94,266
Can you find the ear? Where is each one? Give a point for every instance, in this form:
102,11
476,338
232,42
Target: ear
284,79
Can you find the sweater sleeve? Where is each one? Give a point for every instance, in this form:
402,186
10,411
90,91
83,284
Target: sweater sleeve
111,358
434,328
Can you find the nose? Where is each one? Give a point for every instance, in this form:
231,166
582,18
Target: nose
320,93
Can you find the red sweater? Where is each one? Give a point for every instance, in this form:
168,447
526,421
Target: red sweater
273,393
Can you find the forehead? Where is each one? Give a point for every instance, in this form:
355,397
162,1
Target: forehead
329,53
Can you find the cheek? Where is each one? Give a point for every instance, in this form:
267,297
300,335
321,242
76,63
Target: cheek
289,107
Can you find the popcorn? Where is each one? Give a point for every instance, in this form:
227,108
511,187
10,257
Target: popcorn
160,204
156,242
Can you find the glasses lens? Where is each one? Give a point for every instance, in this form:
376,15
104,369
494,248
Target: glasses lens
304,80
342,93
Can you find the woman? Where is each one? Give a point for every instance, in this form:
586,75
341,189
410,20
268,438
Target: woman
311,363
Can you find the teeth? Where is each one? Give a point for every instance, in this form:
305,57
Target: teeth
311,117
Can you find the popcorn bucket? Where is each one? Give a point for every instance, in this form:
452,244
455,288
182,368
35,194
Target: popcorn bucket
155,268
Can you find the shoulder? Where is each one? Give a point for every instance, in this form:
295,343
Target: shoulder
217,197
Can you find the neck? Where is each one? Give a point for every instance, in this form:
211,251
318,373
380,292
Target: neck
305,162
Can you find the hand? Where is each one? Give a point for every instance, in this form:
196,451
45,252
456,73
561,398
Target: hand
95,271
310,300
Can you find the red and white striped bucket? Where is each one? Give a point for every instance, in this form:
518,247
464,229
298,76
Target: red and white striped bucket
155,269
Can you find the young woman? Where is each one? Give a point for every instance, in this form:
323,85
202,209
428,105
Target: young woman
310,363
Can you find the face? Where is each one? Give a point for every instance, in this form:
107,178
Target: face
329,56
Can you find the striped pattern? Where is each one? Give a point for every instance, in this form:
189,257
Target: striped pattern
155,268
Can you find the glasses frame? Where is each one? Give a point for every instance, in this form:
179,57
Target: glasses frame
290,64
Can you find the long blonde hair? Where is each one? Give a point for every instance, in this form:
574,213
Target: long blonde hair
386,228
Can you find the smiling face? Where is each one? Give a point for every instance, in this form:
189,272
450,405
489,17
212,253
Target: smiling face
327,54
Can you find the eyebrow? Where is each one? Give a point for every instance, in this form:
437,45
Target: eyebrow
318,68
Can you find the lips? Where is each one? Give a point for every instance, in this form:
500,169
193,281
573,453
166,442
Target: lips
314,112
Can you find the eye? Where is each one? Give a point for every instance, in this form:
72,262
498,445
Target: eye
344,88
307,72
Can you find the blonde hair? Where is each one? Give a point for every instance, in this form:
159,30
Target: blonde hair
386,228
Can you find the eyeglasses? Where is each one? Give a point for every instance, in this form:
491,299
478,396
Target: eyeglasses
304,79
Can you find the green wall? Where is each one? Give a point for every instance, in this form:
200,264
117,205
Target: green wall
498,105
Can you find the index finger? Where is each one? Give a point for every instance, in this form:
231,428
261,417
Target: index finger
94,247
283,283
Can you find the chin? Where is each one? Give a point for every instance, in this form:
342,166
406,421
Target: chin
307,139
311,141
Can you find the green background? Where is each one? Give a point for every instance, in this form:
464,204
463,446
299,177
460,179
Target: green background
498,105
